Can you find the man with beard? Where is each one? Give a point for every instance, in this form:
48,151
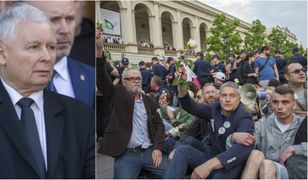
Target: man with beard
213,160
135,135
71,78
266,67
209,94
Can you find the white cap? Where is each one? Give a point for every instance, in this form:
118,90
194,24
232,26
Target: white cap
221,76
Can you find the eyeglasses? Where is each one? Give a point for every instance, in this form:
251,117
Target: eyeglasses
133,79
298,71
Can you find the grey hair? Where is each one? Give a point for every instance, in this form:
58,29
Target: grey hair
231,85
13,15
207,85
126,70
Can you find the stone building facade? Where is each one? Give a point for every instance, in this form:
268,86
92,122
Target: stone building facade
159,28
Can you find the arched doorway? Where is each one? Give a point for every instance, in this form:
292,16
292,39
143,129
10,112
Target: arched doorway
166,24
202,31
142,26
186,25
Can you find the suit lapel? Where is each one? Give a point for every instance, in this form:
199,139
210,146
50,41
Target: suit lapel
12,127
54,129
79,79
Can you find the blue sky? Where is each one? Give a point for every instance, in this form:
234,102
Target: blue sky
290,14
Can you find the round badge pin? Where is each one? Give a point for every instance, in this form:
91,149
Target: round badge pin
227,124
221,130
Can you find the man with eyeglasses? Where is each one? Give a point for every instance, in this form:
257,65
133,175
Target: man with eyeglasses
135,135
214,160
295,74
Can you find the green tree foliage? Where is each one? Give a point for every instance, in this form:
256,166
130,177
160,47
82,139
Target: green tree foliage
255,37
278,40
224,39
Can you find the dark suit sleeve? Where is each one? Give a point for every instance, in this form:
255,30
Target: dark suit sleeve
103,81
89,159
159,135
238,153
199,110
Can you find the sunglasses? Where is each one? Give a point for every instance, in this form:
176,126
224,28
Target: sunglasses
298,71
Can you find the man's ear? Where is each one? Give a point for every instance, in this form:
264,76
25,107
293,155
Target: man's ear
3,54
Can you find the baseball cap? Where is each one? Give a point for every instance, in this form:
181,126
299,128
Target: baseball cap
169,59
200,54
141,63
221,76
125,61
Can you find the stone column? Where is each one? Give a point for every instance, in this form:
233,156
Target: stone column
123,17
195,33
179,31
130,29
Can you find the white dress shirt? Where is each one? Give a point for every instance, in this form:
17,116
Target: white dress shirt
62,80
38,109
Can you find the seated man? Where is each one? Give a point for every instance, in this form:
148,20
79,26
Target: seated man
295,74
158,87
226,117
273,135
135,135
209,94
297,164
219,79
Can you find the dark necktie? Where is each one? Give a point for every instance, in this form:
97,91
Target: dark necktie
51,85
28,121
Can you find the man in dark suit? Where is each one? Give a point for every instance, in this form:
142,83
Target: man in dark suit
53,135
158,69
135,135
146,77
71,78
215,160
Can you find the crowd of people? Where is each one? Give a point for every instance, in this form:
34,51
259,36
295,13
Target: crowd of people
146,44
113,39
206,130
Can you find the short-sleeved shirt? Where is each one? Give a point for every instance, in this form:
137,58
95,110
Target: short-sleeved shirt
267,73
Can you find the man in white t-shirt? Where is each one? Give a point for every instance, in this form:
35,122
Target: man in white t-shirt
273,137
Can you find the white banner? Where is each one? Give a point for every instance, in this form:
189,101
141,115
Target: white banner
112,22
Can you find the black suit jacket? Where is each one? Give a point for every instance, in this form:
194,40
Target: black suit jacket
69,135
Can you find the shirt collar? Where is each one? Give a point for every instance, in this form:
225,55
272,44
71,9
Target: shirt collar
140,99
61,68
16,96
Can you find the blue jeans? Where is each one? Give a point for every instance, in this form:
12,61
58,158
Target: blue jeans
130,164
192,141
187,157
